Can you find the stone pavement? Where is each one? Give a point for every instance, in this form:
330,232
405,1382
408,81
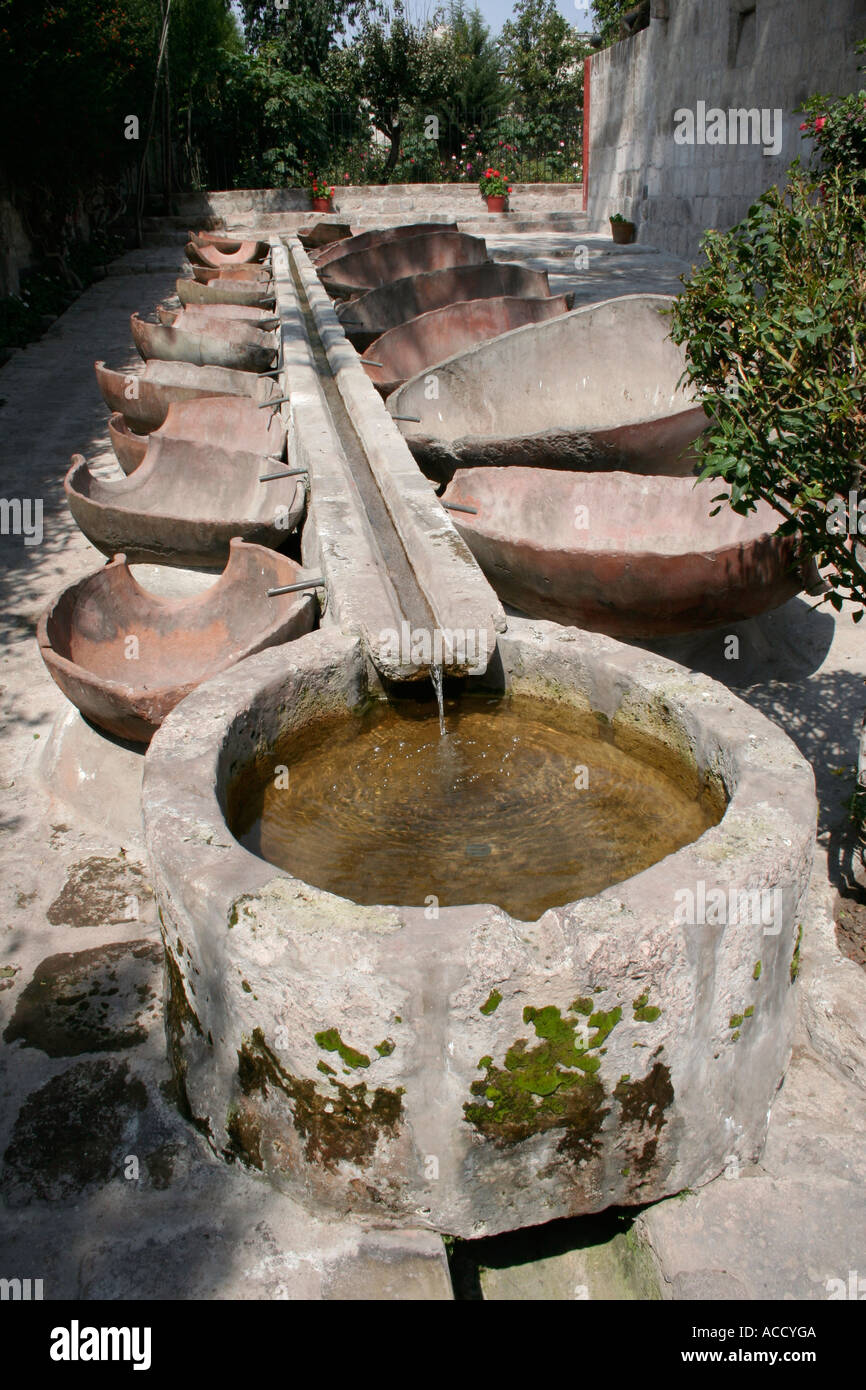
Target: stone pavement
105,1190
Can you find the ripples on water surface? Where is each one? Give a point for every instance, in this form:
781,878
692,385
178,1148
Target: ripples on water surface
381,809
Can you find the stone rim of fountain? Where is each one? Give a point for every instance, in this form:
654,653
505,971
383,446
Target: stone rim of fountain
262,967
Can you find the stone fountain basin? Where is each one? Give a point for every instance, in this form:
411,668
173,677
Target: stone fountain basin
595,388
378,236
384,262
259,963
372,313
143,396
238,346
241,253
184,503
644,558
230,423
179,642
417,345
222,290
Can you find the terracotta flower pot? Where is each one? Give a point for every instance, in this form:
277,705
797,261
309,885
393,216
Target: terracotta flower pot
496,202
623,233
322,205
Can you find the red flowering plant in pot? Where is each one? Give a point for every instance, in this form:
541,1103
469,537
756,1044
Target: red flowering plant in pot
495,188
321,194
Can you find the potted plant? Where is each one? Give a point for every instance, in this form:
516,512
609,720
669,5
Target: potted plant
622,231
321,194
494,188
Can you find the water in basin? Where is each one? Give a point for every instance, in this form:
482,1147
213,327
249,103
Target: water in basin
523,803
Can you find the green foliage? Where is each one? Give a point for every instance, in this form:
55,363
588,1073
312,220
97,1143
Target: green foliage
838,127
542,57
607,15
774,338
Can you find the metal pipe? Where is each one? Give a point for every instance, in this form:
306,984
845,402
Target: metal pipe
287,473
458,507
293,588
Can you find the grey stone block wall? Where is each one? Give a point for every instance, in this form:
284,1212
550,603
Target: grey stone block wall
764,54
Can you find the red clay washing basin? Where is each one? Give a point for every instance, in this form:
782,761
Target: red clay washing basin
129,447
125,657
415,346
379,236
237,345
241,253
143,396
623,554
595,388
374,312
186,500
385,262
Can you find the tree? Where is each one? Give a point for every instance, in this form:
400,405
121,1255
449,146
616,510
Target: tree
304,31
610,15
542,58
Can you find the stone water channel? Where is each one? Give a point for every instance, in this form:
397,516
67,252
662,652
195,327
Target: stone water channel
466,1071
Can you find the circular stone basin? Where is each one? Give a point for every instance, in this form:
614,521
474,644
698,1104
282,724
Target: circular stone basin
460,1066
380,808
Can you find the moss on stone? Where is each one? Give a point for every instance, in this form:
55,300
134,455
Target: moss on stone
385,1047
331,1041
756,973
795,959
492,1002
344,1124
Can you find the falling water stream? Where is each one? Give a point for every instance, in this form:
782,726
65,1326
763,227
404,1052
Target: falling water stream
436,678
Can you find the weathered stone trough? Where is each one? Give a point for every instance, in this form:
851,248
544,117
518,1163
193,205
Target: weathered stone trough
476,1073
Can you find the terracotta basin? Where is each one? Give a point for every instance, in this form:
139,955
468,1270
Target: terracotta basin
239,346
143,396
415,346
129,447
595,388
206,274
625,555
322,233
374,312
377,237
230,423
183,504
240,313
225,291
241,253
226,241
180,642
384,262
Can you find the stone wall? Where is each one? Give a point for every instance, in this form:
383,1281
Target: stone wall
728,54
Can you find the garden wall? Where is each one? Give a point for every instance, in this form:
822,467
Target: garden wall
728,54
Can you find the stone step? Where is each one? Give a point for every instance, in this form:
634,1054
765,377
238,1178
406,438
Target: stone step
162,232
